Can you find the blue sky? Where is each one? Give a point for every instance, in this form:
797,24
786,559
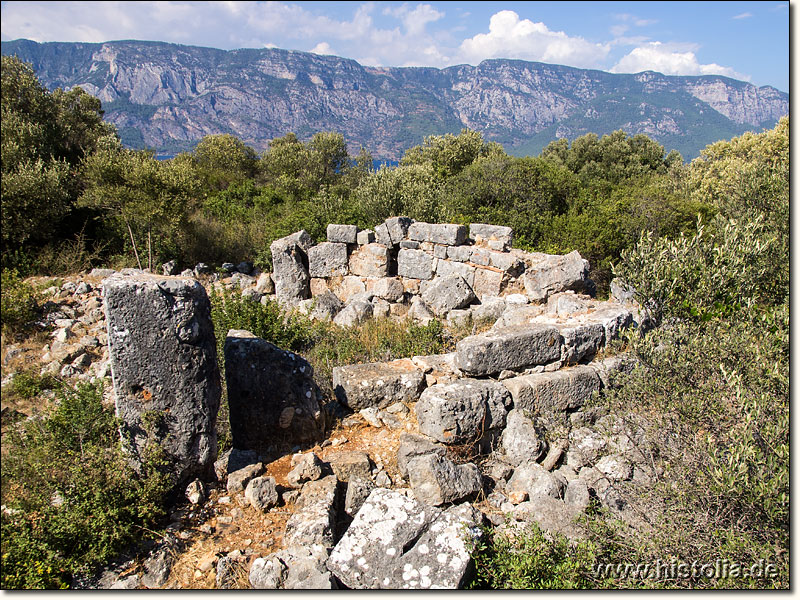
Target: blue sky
744,40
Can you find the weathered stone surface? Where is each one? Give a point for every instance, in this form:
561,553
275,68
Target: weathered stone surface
163,359
261,493
615,466
233,460
392,231
448,234
389,288
238,480
586,446
347,465
522,441
445,268
459,253
354,313
397,542
577,494
264,284
413,446
325,307
566,303
613,318
553,394
556,273
305,467
271,393
507,263
342,234
534,479
327,259
448,293
370,260
508,348
488,283
415,264
364,237
580,341
358,490
490,309
462,411
436,480
378,384
312,525
290,267
442,557
480,233
348,287
420,312
607,368
267,572
551,515
620,291
196,492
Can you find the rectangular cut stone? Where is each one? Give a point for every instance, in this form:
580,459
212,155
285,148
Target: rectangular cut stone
580,341
409,244
487,283
343,234
312,525
459,253
348,287
614,318
440,251
448,234
327,259
393,231
415,264
505,262
481,232
551,395
367,236
445,268
508,348
290,267
378,384
164,361
370,260
480,257
319,286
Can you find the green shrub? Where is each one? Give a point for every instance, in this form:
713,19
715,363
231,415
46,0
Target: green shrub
29,384
532,560
17,301
73,500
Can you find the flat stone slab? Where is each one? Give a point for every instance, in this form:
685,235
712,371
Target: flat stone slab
483,233
327,259
397,542
415,264
436,480
508,348
448,234
370,260
378,384
342,234
312,525
448,293
553,394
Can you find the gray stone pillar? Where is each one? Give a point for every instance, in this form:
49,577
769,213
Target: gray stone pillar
272,396
164,369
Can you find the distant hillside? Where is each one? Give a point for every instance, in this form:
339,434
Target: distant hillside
167,96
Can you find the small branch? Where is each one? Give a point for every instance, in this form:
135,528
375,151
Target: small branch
133,242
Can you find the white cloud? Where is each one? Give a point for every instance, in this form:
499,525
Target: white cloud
510,37
670,60
323,48
744,15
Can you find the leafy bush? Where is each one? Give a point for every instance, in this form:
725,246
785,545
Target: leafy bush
72,500
532,560
29,384
17,301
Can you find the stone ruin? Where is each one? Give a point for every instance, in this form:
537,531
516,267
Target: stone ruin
410,268
506,391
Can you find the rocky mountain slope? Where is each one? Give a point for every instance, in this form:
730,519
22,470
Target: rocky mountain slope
168,96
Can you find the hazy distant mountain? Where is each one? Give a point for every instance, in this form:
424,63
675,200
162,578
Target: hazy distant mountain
168,96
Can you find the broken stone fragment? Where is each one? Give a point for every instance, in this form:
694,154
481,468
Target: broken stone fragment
378,384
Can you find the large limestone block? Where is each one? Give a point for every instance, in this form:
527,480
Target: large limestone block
508,348
613,317
580,341
448,293
327,259
312,524
447,234
487,283
272,396
462,411
483,234
378,384
522,441
389,288
436,480
445,268
290,267
553,394
370,260
164,361
415,264
342,234
397,542
555,273
392,231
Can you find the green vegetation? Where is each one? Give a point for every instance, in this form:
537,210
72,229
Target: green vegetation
71,501
705,245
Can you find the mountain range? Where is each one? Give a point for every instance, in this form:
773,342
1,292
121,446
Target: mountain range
167,97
